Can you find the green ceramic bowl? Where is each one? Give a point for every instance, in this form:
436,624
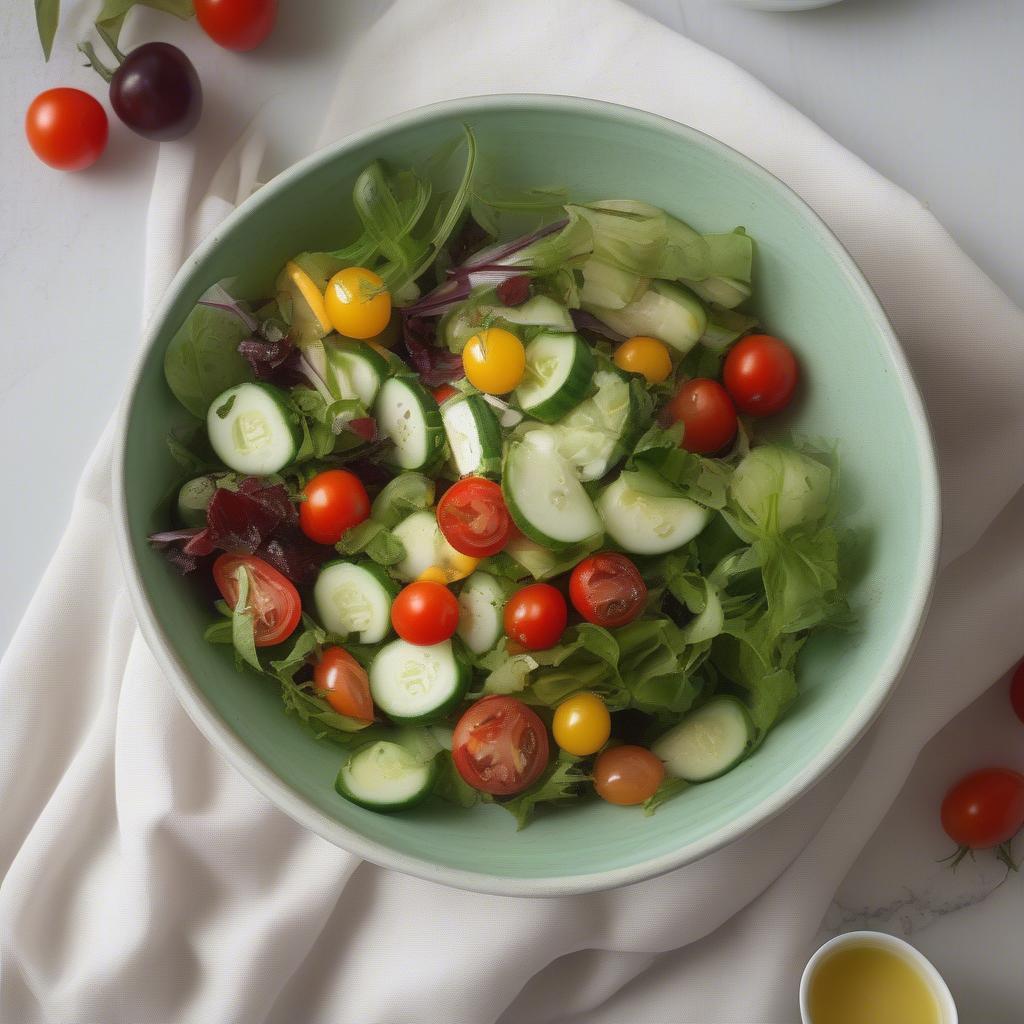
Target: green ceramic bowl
859,391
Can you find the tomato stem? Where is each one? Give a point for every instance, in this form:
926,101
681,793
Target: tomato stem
1004,854
92,61
111,42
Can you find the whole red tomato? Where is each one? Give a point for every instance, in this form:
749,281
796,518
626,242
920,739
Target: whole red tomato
237,24
66,128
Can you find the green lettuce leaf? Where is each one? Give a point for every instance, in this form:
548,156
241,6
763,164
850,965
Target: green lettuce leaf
373,539
202,359
659,466
559,783
669,788
401,497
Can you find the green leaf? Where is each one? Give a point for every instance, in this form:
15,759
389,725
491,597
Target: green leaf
190,448
220,632
243,632
47,18
559,783
202,360
112,14
659,466
374,540
668,789
450,785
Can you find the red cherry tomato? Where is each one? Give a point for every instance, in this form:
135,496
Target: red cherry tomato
536,616
1017,691
425,613
444,392
335,501
473,518
66,128
275,603
760,374
500,746
627,775
607,589
985,808
237,24
344,684
707,414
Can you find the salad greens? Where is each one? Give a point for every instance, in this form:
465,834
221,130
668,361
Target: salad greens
588,459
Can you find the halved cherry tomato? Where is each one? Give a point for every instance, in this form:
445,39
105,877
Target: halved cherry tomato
627,775
494,361
66,128
581,724
760,373
425,613
274,602
607,589
444,392
236,24
344,684
646,356
335,501
1017,691
985,808
473,518
500,746
536,616
707,414
358,304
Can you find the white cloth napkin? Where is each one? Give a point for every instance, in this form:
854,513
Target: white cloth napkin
146,882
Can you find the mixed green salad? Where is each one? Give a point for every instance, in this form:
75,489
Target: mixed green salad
483,494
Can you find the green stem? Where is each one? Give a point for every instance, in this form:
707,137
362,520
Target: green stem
111,42
94,62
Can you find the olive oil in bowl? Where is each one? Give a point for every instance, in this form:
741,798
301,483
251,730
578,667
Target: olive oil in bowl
872,978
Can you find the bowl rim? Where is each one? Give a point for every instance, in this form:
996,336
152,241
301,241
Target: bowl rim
294,804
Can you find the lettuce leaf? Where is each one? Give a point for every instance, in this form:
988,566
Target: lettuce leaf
659,466
559,783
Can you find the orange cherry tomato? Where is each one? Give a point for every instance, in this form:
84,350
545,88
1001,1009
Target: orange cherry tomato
344,684
627,775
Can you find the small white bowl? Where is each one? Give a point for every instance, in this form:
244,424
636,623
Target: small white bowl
943,996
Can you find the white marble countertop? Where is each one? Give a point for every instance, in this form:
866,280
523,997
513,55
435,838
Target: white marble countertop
927,91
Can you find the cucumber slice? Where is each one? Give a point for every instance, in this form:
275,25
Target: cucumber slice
426,548
194,498
544,496
356,599
708,742
407,414
384,776
474,437
481,611
253,429
610,287
666,311
559,367
646,524
540,311
596,435
356,369
414,684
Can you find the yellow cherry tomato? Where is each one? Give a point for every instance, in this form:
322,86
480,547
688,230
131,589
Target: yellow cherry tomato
435,574
644,355
358,304
494,360
582,725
